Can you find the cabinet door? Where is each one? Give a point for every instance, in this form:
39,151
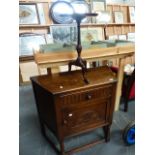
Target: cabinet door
83,118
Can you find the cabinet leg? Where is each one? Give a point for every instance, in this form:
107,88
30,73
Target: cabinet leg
42,128
107,133
62,147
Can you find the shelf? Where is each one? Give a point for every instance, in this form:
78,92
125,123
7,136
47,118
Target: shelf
110,24
34,26
35,1
83,25
111,28
119,4
124,24
26,58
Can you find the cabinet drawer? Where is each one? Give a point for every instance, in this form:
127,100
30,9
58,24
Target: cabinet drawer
87,95
80,118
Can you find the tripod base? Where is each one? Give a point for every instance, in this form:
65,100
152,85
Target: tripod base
80,63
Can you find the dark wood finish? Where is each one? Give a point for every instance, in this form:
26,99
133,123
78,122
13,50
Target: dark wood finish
85,146
67,106
79,61
107,133
49,71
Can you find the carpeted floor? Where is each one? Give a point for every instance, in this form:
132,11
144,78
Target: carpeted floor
33,143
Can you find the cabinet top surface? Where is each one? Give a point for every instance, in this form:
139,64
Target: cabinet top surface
70,81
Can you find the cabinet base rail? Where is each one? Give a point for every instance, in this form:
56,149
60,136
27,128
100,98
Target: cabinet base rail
62,151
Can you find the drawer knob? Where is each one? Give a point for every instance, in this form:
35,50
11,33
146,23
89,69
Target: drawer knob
89,96
70,114
64,122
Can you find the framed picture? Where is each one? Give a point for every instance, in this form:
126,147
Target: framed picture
41,13
103,17
98,5
64,34
132,14
99,32
82,6
122,37
49,38
88,35
91,34
131,37
29,42
118,15
28,14
113,37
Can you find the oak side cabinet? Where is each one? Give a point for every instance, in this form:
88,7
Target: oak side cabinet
68,107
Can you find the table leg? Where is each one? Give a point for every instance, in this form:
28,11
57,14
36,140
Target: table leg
55,69
39,71
120,75
49,71
20,76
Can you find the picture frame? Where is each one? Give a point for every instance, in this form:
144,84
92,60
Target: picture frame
122,37
98,5
132,14
131,37
103,17
64,33
41,13
49,38
118,16
28,14
87,19
113,37
91,34
29,42
83,7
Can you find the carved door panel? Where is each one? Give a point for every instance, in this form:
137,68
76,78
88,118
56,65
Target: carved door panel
76,119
